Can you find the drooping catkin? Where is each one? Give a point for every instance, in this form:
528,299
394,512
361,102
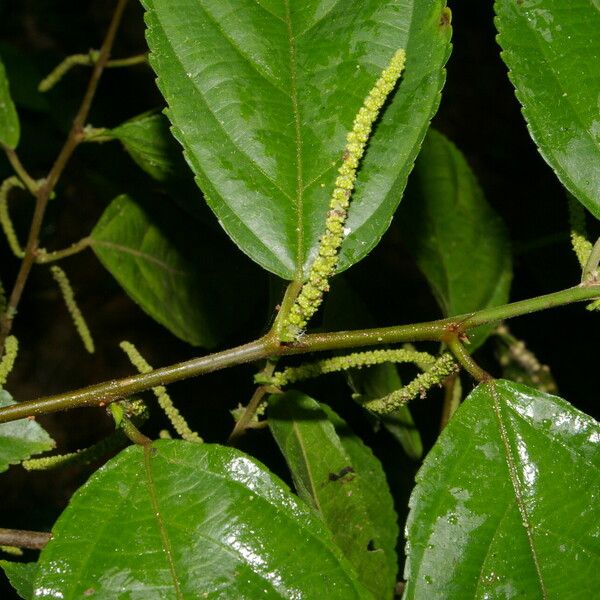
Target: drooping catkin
179,423
322,269
443,367
69,297
355,360
85,456
5,220
11,349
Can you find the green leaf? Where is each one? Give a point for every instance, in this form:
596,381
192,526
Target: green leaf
21,576
9,120
552,49
20,439
261,95
182,277
506,503
458,241
148,140
341,479
184,520
379,381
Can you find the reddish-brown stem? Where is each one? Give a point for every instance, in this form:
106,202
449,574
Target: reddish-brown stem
43,192
19,538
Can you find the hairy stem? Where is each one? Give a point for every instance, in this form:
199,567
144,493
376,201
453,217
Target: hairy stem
268,346
43,191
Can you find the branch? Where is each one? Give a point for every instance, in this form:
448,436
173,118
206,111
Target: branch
43,191
19,538
268,346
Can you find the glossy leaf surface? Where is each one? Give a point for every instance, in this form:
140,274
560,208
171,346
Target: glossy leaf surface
185,520
21,576
505,500
183,278
261,95
552,49
340,478
458,241
9,120
20,439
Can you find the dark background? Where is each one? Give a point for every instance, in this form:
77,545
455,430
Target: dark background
479,113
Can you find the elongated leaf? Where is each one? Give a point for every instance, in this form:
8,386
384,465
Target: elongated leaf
184,520
261,95
552,49
458,241
21,576
506,503
339,476
183,278
9,120
20,439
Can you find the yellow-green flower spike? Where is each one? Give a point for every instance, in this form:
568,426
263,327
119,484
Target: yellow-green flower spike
69,297
317,283
581,245
179,423
356,360
5,220
11,348
443,367
85,456
64,67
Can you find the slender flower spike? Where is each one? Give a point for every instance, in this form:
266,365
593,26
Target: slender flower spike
69,297
5,220
443,367
11,348
311,294
356,360
160,391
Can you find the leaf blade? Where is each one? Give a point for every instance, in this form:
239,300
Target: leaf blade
552,51
248,534
9,120
277,91
176,276
502,525
20,439
339,476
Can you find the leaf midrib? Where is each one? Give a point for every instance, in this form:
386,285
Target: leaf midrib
298,137
164,536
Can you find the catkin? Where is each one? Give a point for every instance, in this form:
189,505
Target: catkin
356,360
69,297
322,269
179,423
